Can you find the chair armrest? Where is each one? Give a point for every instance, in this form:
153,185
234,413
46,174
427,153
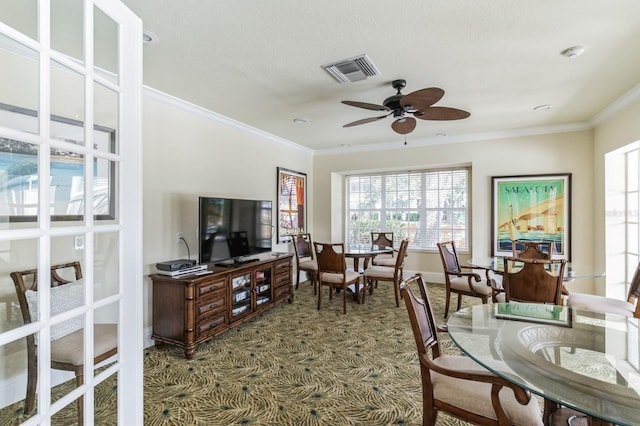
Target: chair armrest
475,275
522,396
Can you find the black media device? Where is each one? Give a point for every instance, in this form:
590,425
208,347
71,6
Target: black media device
231,230
175,265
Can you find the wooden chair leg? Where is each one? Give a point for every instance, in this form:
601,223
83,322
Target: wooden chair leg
80,401
344,299
364,289
298,280
446,304
459,301
32,381
396,286
320,296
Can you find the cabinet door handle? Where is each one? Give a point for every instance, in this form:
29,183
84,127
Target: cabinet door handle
214,305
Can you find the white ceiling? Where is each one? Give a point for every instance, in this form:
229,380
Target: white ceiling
259,62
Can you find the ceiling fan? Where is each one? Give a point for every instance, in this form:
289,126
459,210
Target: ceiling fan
418,103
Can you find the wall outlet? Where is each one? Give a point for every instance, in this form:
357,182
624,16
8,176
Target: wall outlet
78,242
179,237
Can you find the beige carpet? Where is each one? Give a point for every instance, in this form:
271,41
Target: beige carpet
293,365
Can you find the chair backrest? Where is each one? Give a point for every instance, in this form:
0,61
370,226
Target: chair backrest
532,249
449,257
302,246
423,322
382,238
330,258
28,280
402,253
528,280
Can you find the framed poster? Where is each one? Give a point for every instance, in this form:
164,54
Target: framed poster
292,204
531,208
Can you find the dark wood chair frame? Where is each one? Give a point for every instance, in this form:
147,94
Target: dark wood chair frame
303,249
373,278
532,282
20,279
425,333
452,268
385,239
332,260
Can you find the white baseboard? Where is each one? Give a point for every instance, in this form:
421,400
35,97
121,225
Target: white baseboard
430,277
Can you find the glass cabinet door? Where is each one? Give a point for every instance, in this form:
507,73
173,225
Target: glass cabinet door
240,294
263,286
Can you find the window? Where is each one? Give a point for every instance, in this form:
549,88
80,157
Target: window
426,206
622,216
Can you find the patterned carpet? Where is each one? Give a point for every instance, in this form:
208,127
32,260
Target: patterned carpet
293,365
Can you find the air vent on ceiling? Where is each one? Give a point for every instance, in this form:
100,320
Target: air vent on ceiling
352,69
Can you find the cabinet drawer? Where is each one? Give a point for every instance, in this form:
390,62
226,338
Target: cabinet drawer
211,324
205,289
282,292
282,279
282,265
209,306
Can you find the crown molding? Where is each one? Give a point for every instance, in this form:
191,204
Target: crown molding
182,105
616,106
474,137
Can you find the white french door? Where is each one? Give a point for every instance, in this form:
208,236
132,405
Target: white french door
70,190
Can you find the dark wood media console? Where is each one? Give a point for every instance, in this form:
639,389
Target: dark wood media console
192,309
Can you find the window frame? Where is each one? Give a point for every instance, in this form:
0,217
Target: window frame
384,207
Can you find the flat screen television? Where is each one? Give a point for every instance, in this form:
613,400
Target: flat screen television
232,230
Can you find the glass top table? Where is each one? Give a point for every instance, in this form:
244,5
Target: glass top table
584,360
364,251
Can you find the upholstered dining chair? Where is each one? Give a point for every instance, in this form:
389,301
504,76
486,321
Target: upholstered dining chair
528,280
375,273
523,250
456,384
628,308
305,262
333,273
462,283
67,338
383,238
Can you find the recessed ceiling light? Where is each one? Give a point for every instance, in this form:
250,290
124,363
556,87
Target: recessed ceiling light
572,52
149,37
301,120
542,108
344,145
441,134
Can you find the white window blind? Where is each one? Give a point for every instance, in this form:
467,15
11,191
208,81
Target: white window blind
427,206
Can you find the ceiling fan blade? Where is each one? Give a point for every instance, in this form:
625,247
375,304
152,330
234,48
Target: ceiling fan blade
365,121
366,105
404,125
423,98
441,113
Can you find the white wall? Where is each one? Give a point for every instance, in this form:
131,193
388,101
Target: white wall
542,154
613,132
190,152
